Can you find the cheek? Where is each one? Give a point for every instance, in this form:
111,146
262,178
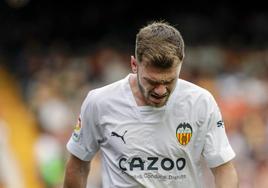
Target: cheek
147,89
145,86
171,87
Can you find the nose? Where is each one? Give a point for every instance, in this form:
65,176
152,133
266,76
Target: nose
160,90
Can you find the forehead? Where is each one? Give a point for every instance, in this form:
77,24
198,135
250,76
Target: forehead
159,74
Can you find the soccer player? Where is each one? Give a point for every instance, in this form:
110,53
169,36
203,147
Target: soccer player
153,128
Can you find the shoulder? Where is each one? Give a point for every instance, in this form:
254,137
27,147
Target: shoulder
106,93
192,98
192,91
192,103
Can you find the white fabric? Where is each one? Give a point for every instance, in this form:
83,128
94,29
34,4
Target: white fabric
139,145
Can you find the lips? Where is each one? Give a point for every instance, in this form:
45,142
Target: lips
158,99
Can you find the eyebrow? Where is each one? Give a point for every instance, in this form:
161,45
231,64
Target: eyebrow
159,82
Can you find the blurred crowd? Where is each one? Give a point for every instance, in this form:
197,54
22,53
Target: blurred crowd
58,52
54,81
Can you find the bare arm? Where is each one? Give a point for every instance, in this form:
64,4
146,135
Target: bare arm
76,173
225,176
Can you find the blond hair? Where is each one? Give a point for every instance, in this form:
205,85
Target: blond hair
160,44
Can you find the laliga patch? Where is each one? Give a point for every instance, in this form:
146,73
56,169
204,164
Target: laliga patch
77,131
184,133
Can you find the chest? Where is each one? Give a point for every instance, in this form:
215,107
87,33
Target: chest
152,134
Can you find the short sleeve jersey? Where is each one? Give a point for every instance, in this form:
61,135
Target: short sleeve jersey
143,146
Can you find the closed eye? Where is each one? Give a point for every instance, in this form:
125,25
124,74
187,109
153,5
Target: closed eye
153,82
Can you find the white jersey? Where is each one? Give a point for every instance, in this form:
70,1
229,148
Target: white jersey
144,146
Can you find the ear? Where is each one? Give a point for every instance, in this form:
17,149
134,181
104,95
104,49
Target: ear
134,65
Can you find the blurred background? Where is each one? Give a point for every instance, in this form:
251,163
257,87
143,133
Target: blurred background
53,52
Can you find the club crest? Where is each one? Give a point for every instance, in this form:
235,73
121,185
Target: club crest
184,133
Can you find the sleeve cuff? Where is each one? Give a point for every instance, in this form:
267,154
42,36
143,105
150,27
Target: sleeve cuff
220,158
79,151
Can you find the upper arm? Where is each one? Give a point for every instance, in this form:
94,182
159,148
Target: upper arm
224,168
76,172
217,149
75,162
77,166
225,175
85,140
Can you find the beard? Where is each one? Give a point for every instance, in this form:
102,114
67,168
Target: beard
151,98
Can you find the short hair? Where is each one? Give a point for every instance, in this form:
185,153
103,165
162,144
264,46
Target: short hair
160,44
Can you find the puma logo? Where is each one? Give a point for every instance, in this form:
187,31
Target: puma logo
117,135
